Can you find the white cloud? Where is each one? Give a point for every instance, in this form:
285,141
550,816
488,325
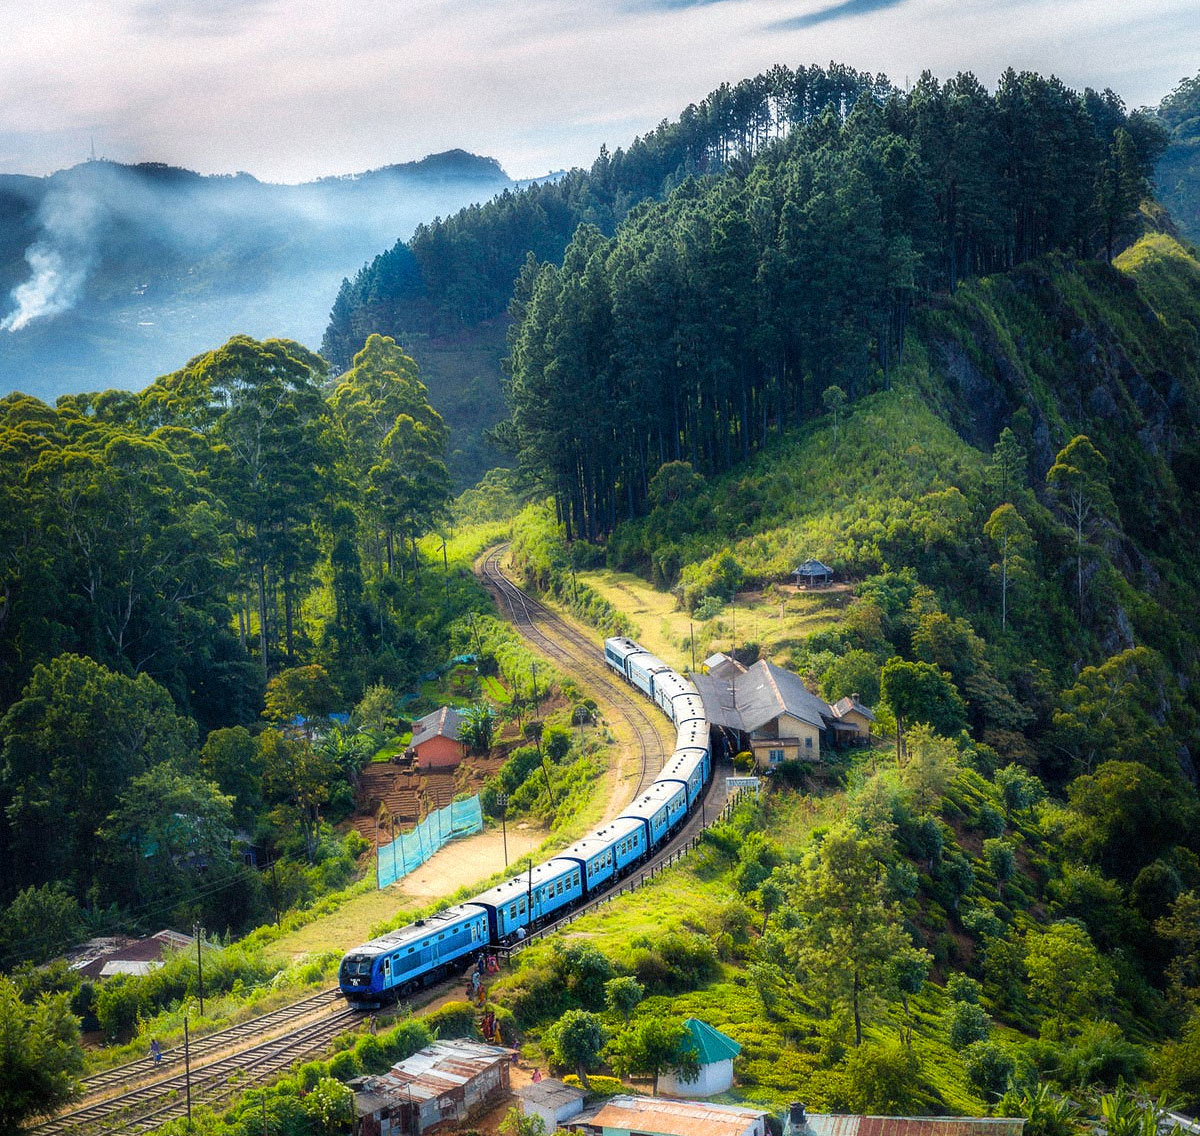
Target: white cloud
292,89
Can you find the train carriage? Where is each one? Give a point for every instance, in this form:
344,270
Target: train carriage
660,809
690,767
693,735
688,707
667,687
406,958
643,669
617,651
607,852
533,898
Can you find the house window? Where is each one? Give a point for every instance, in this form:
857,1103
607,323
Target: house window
808,743
774,756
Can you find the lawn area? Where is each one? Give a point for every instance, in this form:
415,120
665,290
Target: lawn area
495,690
775,618
349,925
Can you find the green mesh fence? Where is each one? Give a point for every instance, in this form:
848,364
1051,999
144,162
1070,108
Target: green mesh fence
411,849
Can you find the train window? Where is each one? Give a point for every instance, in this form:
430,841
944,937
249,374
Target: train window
411,949
522,905
441,936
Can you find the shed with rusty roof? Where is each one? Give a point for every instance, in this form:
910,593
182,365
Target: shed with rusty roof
442,1085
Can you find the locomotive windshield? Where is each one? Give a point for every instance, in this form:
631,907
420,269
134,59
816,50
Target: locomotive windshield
356,966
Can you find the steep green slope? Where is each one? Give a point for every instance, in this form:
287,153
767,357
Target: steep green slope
1042,836
1054,349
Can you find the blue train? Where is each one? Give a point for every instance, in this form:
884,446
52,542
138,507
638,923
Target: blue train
428,950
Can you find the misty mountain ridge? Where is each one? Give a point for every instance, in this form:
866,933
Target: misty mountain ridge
112,274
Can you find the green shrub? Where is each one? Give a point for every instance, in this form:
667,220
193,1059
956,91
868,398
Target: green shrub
405,1040
989,1067
601,1086
690,960
344,1065
968,1023
454,1019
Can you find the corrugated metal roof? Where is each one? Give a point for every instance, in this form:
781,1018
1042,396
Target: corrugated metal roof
666,1117
550,1092
437,1069
711,1044
445,722
825,1124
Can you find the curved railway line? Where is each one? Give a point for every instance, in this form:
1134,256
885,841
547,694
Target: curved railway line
576,654
139,1097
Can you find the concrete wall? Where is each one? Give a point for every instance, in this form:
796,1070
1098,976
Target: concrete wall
439,752
713,1079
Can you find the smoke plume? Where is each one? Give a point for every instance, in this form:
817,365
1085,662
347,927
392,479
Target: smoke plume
58,260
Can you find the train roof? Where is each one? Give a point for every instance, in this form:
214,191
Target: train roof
687,758
601,838
654,798
520,884
422,929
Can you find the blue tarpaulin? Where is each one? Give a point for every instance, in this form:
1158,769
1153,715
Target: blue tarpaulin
411,849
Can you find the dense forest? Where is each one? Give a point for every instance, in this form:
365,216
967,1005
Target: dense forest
241,534
939,338
1177,179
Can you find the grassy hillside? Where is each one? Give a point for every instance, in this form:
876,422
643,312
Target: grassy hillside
1052,813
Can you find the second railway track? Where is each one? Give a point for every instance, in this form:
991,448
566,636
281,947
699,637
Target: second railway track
139,1097
576,654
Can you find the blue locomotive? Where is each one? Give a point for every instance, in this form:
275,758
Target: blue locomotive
430,949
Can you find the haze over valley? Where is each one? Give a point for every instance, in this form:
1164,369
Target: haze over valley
112,274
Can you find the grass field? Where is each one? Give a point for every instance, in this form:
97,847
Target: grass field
775,618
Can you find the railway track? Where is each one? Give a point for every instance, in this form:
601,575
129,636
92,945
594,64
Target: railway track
139,1097
108,1082
577,654
149,1106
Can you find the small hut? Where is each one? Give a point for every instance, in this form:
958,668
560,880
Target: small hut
813,574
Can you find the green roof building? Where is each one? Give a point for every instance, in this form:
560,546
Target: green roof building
716,1053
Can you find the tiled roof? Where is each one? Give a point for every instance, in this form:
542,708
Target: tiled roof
843,706
751,700
104,957
711,1044
765,691
446,723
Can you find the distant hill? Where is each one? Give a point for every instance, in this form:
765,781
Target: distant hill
1178,175
113,274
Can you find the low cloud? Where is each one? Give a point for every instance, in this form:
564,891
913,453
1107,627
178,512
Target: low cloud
845,10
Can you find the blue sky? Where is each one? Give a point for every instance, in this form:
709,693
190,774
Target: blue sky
295,89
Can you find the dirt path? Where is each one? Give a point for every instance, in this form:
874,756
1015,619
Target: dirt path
466,860
461,862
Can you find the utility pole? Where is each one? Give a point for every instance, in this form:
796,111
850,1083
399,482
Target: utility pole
692,641
275,892
199,930
502,805
529,889
187,1073
533,680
